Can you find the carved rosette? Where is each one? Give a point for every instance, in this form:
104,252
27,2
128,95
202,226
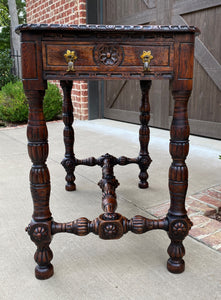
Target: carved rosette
108,54
68,164
178,229
144,161
39,233
109,230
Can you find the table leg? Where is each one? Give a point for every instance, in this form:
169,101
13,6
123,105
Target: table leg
40,227
179,223
144,134
69,161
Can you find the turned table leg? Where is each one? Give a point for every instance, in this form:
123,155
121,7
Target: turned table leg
40,227
144,134
179,223
69,161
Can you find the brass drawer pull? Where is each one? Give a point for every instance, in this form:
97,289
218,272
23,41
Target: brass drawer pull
70,57
146,58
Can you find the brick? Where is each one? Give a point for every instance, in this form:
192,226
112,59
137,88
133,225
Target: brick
81,21
83,15
213,240
215,194
207,199
76,105
82,6
76,93
211,227
84,105
199,220
84,93
66,6
198,206
84,100
191,212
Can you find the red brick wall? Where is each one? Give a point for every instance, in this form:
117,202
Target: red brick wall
63,12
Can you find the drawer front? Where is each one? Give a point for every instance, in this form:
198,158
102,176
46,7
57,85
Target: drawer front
110,59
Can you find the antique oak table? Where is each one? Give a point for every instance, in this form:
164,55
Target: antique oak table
84,52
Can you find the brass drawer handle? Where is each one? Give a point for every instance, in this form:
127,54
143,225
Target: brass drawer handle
70,57
146,58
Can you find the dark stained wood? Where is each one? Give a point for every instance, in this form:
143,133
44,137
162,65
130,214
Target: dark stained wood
115,52
40,227
30,68
106,229
68,118
144,134
108,184
178,181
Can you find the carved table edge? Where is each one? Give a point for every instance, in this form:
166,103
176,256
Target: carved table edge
88,27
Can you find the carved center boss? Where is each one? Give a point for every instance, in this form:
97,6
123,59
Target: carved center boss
75,52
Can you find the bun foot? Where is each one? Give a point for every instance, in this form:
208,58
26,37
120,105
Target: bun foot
175,267
70,187
44,272
143,185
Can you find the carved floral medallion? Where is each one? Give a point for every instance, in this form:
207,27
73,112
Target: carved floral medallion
108,55
179,228
110,230
38,232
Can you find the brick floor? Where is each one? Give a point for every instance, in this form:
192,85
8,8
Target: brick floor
199,206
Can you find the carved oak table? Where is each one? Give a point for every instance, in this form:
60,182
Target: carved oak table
84,52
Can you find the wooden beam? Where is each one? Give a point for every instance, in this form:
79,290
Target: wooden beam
204,56
147,16
125,116
150,3
208,62
189,6
122,85
164,10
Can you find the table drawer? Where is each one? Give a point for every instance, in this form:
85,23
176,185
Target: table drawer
107,57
